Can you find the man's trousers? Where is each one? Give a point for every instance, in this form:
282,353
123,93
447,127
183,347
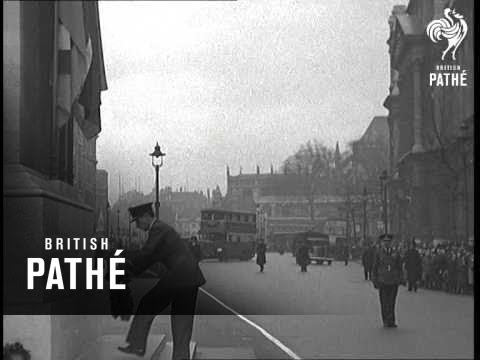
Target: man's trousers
182,301
388,297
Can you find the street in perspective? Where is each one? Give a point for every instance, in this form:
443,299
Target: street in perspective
279,180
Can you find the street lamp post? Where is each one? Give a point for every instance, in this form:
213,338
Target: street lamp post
129,230
383,179
118,225
157,162
107,215
365,215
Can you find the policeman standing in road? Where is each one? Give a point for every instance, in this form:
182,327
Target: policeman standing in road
261,254
303,257
177,288
386,277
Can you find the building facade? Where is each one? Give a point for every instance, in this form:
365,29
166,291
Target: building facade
431,180
283,205
370,157
53,77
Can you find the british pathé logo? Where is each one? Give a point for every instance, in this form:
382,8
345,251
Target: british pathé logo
452,27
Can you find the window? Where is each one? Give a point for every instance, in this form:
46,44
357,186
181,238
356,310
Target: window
218,216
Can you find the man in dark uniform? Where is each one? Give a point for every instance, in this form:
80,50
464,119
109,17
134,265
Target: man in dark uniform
303,257
178,287
367,261
261,254
413,265
386,277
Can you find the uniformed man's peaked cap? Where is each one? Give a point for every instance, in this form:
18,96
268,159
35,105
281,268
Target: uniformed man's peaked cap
139,210
386,237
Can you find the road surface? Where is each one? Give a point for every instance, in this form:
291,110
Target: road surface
332,312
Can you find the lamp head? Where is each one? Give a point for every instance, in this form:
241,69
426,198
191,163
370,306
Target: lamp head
157,153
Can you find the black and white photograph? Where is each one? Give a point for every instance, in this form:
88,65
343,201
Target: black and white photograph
238,179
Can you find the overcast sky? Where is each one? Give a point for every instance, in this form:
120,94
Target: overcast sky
239,83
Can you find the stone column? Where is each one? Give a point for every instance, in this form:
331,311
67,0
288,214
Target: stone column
417,107
11,81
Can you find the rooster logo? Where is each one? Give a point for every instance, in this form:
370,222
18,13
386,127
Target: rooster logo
452,27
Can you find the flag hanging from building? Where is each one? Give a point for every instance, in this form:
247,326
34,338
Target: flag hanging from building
95,83
81,73
74,57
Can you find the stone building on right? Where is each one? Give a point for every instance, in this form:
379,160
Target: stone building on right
431,123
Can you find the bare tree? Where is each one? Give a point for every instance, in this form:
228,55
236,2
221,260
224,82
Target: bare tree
313,161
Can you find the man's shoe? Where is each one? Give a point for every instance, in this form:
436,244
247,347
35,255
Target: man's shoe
131,350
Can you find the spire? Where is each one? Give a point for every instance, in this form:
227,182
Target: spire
337,156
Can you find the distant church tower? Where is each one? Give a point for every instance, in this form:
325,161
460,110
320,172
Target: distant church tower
337,157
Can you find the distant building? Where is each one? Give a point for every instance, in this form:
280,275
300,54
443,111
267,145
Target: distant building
280,202
187,227
217,198
186,207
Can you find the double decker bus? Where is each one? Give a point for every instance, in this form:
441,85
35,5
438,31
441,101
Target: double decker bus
227,234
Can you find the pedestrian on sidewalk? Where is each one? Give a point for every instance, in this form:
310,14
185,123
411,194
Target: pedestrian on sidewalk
196,249
346,254
303,257
471,268
178,287
462,274
387,275
413,266
452,272
368,257
261,251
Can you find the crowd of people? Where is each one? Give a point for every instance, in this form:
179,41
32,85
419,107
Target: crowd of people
446,267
